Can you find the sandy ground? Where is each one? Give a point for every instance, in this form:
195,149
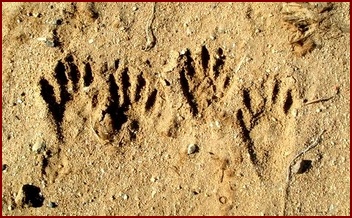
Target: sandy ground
175,109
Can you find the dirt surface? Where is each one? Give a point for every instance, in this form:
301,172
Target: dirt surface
175,109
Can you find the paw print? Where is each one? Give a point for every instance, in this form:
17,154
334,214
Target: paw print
265,120
128,98
68,79
202,80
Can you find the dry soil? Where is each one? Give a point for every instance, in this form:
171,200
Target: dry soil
175,108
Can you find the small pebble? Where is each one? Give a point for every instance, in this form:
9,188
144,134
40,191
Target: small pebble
50,43
38,147
183,51
301,166
4,167
91,41
212,37
124,196
10,207
217,124
221,29
195,192
192,148
223,199
343,159
189,31
29,196
331,207
86,89
52,205
135,8
153,193
37,15
297,167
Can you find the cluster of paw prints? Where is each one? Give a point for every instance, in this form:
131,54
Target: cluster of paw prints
200,80
116,105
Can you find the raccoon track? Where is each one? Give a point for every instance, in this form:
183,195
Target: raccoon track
253,115
202,78
126,95
68,77
66,72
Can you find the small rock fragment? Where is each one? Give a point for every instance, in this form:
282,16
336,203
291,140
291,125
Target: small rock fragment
301,166
195,192
212,36
192,148
153,193
183,51
50,43
38,15
10,207
189,31
29,196
38,147
52,204
4,167
124,196
223,199
217,124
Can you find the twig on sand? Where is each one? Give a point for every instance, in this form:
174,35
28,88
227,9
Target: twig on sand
318,100
244,59
289,170
150,43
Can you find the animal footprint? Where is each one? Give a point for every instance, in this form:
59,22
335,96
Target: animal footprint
202,80
265,120
128,98
69,83
68,79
